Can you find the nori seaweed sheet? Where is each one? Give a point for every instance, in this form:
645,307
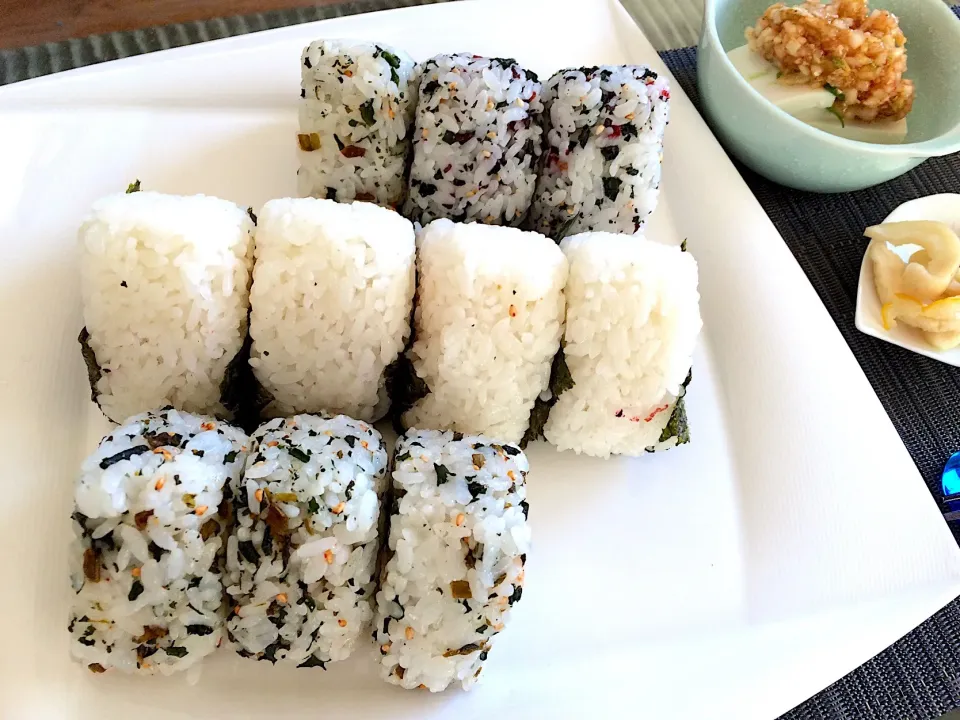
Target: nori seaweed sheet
240,391
94,373
677,426
404,387
560,381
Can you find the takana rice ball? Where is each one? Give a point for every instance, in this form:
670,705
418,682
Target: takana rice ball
457,551
301,558
149,525
356,111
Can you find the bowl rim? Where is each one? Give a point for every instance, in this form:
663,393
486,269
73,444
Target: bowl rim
944,144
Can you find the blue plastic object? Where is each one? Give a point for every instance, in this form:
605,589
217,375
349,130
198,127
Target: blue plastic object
950,485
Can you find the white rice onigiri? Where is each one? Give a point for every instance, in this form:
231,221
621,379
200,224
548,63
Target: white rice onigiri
476,141
301,559
144,564
165,283
332,297
633,317
458,547
356,112
488,322
601,167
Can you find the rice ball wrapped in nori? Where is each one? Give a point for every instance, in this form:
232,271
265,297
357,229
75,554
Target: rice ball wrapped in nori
488,322
149,533
331,303
458,546
165,282
302,554
476,141
601,167
356,113
633,317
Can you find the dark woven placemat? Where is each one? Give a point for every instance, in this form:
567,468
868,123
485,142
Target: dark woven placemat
918,678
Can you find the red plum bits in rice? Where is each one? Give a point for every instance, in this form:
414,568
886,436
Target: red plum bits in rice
476,141
149,525
458,546
633,318
601,164
302,554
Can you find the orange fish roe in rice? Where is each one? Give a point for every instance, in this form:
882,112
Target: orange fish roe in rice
860,53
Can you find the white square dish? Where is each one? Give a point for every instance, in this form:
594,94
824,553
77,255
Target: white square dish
731,578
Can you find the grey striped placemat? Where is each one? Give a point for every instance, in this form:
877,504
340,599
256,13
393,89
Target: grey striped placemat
25,63
667,24
918,678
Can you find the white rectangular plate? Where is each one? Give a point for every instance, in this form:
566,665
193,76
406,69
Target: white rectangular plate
734,577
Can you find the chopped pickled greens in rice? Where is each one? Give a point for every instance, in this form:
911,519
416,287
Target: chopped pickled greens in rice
302,554
467,589
133,598
356,108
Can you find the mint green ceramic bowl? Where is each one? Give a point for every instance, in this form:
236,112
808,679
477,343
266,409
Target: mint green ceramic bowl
791,152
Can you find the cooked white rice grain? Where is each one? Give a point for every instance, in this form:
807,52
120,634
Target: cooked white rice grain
332,294
458,546
165,283
601,167
145,562
476,141
302,554
633,316
488,322
356,112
